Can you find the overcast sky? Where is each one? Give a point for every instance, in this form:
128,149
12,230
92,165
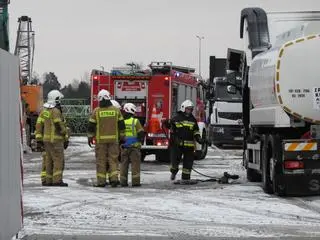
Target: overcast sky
75,36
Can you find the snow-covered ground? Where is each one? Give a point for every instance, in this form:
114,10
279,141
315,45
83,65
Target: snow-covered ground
159,207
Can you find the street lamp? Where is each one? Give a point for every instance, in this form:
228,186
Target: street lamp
200,38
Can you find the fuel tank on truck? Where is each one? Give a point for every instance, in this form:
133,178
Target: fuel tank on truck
286,79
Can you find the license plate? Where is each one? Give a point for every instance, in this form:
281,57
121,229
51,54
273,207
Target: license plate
238,138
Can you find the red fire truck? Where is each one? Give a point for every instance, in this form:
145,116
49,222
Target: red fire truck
157,93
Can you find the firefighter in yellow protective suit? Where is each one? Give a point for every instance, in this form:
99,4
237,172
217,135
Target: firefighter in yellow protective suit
43,174
117,105
107,126
131,148
51,132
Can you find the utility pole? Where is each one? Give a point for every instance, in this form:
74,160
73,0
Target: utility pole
200,38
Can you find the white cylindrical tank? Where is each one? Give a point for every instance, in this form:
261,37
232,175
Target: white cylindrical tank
289,75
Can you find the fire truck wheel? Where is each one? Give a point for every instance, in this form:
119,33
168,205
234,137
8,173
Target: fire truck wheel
163,156
143,156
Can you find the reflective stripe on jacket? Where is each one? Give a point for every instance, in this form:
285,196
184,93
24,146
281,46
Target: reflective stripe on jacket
131,133
46,126
106,120
184,130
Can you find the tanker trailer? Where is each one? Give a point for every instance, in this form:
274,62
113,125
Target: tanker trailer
281,104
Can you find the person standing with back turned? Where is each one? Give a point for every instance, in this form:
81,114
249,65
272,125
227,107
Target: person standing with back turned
107,126
131,148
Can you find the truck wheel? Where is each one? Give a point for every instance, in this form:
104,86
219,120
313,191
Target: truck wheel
201,154
163,156
253,175
278,187
272,155
266,157
143,156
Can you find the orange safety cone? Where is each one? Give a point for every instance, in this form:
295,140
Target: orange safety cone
154,123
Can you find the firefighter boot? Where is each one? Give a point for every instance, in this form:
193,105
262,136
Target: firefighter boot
46,184
99,185
114,184
60,184
173,176
185,181
136,185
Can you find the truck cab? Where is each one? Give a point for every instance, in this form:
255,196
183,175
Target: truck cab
226,117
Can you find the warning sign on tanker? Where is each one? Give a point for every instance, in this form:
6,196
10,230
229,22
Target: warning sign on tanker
316,98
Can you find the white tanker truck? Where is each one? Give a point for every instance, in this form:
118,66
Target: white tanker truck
281,102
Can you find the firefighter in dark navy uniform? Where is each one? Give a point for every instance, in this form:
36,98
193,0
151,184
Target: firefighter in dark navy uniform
184,132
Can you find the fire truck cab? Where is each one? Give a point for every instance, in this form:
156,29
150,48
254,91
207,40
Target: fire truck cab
158,93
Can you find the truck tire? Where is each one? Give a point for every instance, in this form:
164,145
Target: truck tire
278,187
163,156
266,155
201,154
272,154
142,156
253,175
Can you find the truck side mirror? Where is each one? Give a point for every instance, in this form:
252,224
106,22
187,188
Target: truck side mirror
231,89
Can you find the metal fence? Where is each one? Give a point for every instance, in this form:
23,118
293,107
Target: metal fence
76,113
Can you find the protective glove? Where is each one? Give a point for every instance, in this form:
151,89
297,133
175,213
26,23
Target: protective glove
65,144
167,123
90,141
199,139
122,140
40,144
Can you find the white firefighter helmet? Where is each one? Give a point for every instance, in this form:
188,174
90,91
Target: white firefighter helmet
130,108
54,97
103,94
116,104
185,104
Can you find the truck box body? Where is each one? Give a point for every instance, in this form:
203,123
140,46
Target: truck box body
10,147
225,109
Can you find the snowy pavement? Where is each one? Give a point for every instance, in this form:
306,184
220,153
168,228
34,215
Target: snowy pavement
160,209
